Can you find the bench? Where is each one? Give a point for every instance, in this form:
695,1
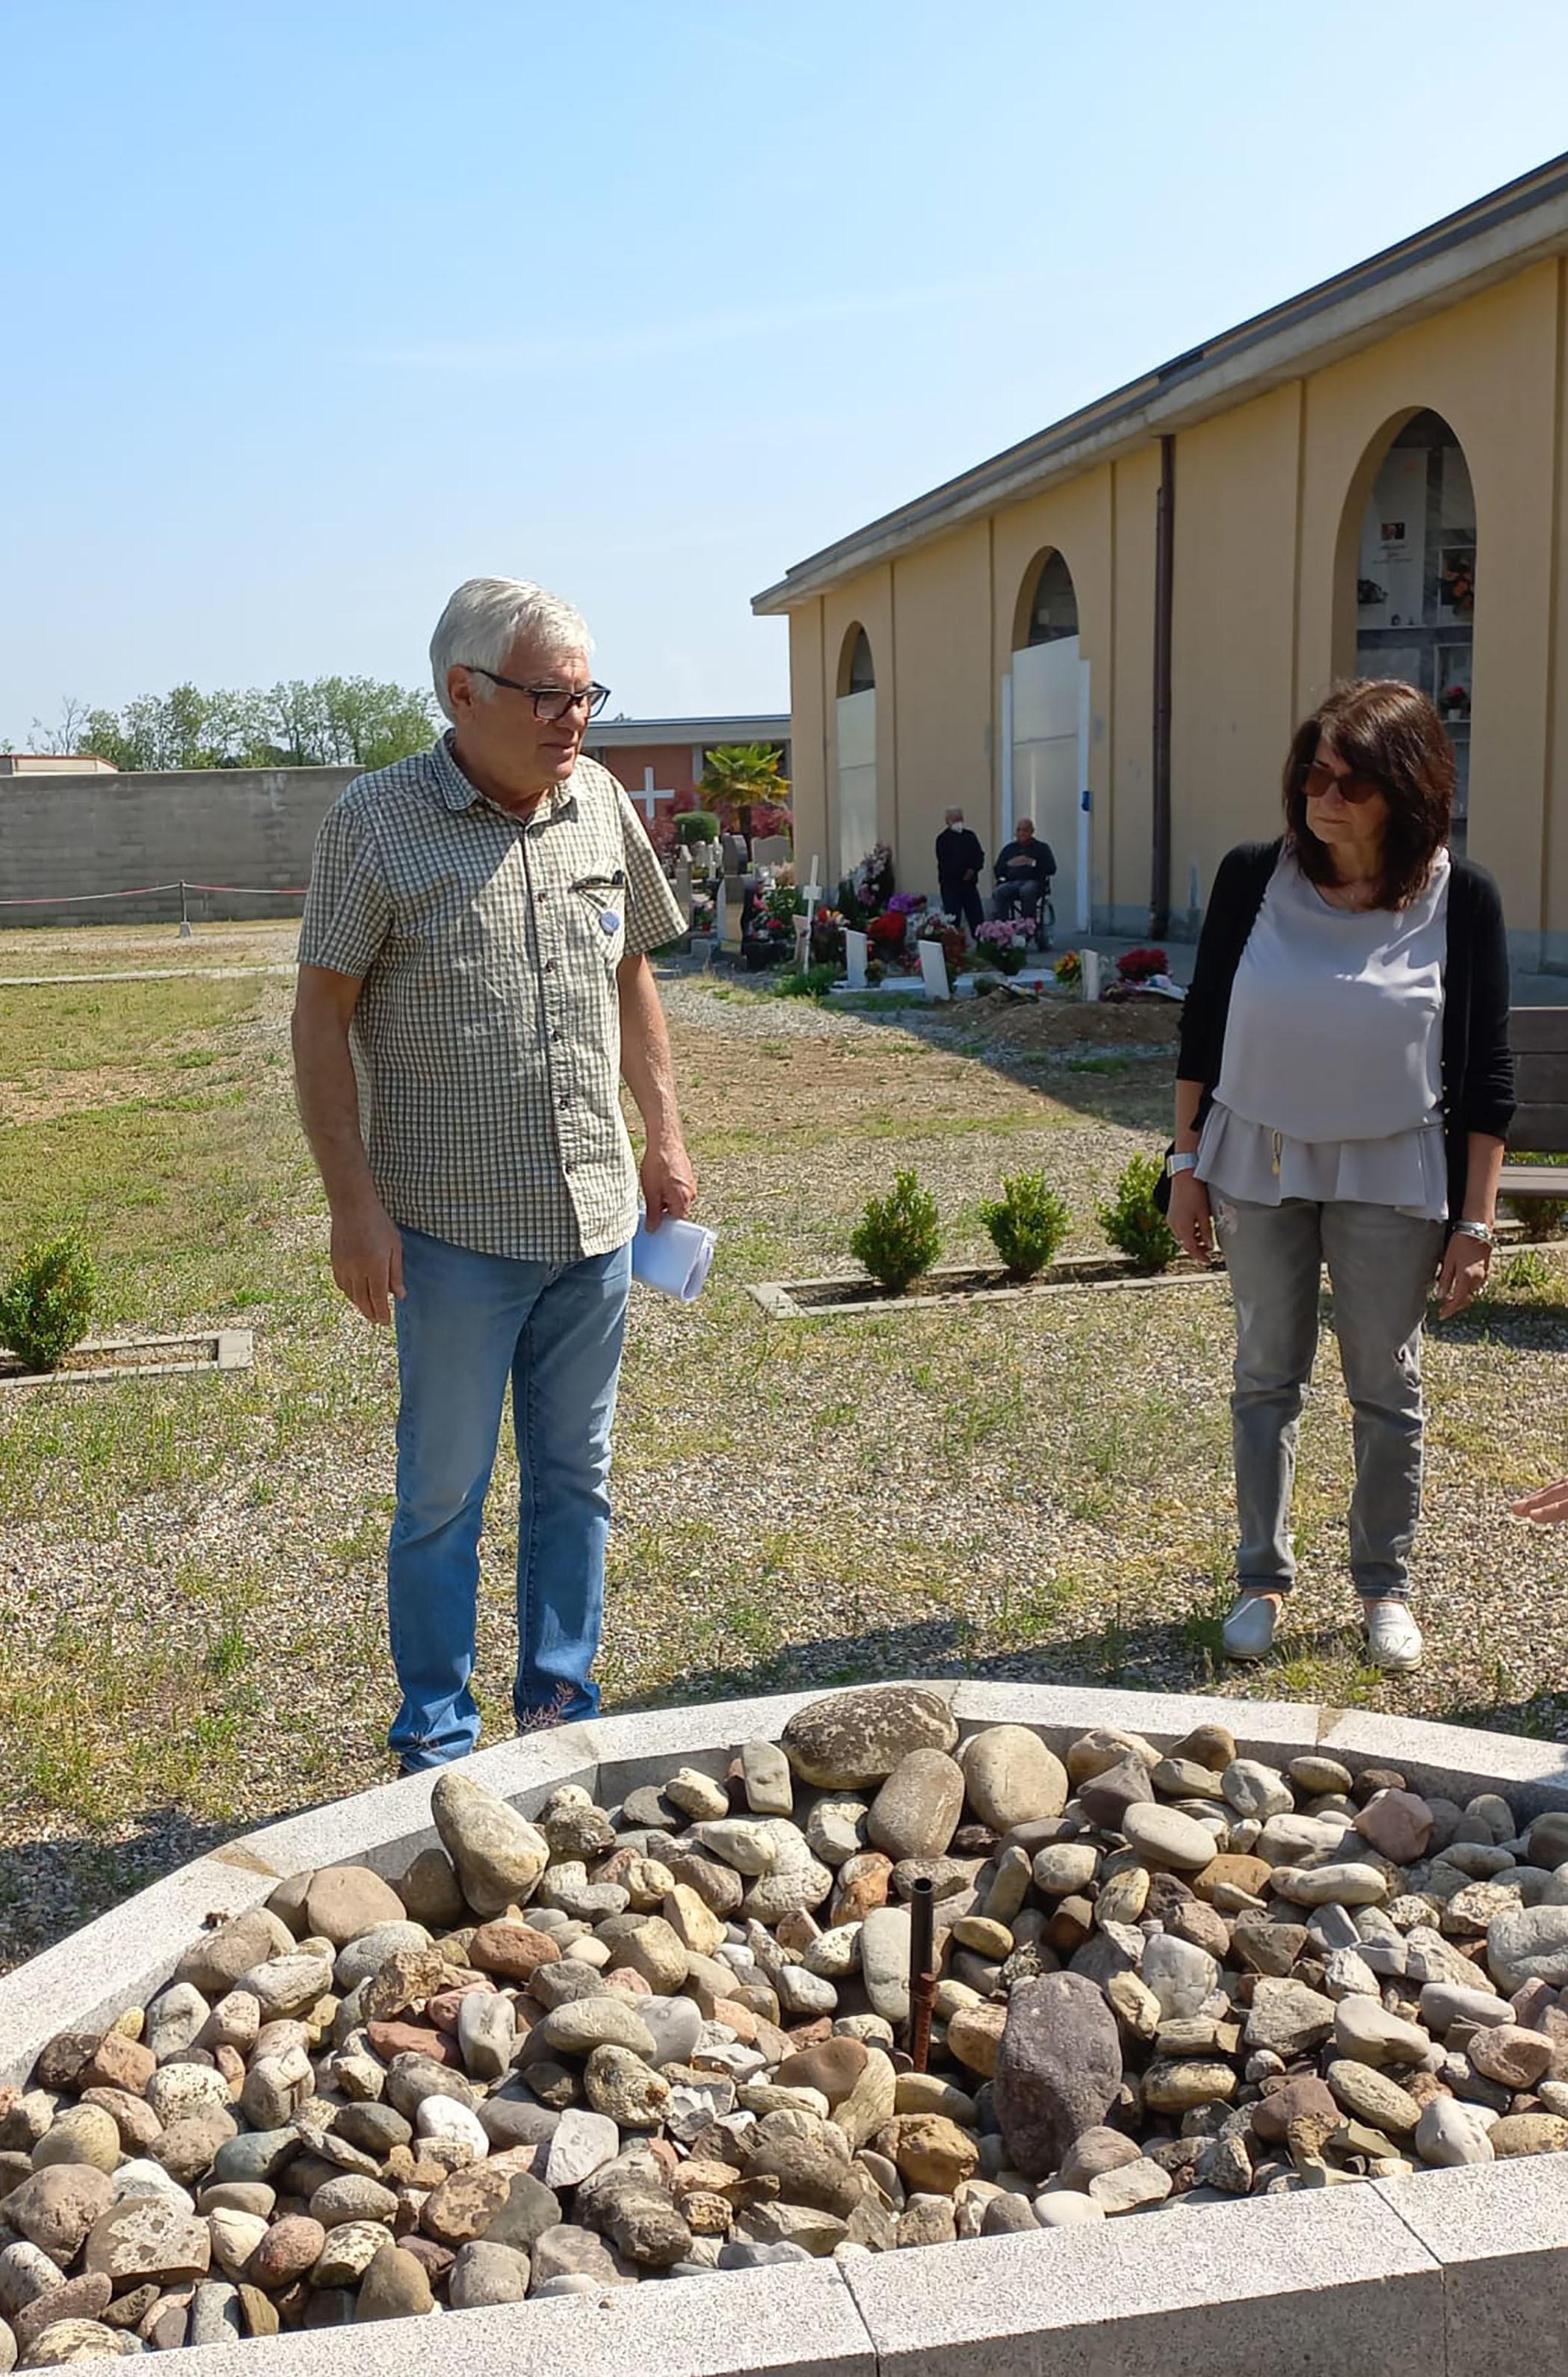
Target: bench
1540,1040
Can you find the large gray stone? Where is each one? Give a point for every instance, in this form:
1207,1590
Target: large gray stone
1058,2068
1528,1943
856,1737
499,1856
915,1812
1012,1779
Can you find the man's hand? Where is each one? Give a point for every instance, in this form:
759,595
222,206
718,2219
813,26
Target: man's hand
367,1258
1462,1275
669,1183
1191,1223
1547,1506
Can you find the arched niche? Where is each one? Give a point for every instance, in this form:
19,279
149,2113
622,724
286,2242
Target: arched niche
1405,575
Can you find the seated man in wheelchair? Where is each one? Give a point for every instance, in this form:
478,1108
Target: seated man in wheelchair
1023,870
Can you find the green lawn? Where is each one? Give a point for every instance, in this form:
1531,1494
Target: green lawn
191,1628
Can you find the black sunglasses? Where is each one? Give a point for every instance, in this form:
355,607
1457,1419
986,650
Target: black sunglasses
550,702
1319,780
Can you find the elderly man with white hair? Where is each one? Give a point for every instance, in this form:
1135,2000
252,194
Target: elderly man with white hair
473,981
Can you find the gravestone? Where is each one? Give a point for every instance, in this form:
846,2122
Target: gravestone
731,906
1090,959
802,942
773,850
737,853
682,887
934,970
855,958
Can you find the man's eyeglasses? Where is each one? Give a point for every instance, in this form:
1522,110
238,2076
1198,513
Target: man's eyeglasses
1319,779
550,702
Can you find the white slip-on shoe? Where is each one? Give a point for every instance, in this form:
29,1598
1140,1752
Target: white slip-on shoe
1249,1629
1394,1639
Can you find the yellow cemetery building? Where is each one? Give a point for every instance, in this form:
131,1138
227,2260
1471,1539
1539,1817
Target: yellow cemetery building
1113,627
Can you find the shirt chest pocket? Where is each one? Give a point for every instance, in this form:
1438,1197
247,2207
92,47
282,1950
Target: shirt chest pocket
597,908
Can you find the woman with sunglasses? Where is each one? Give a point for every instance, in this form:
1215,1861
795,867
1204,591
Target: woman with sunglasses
1344,1089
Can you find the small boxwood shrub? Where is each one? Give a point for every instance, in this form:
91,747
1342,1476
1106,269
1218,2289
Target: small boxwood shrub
900,1239
1027,1223
1134,1222
46,1305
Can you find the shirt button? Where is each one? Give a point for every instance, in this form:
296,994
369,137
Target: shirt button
549,965
565,1102
568,1167
541,895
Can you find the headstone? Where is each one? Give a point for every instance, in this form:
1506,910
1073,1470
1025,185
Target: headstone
682,887
855,958
803,943
737,853
1089,961
934,970
773,850
732,907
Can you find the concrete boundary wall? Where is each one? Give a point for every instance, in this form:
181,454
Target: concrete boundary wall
74,835
1444,2273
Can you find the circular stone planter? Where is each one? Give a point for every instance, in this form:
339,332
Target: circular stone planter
1438,2271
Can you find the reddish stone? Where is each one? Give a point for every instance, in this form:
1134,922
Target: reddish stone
516,1951
119,2063
390,2038
443,2010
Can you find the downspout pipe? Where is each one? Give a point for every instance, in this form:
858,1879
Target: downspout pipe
1164,583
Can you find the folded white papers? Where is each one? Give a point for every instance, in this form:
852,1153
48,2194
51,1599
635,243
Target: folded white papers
676,1259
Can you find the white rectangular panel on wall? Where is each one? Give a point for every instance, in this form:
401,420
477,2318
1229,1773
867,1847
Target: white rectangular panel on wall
1046,787
855,725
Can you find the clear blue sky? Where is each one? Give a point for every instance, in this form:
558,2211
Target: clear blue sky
311,310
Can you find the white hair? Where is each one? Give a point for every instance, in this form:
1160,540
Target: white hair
483,620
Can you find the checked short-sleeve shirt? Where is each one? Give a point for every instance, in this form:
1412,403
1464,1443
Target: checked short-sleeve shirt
487,1035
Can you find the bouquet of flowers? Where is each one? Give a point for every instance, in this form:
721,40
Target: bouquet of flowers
936,926
1003,943
827,938
873,878
1142,965
907,903
1069,969
885,933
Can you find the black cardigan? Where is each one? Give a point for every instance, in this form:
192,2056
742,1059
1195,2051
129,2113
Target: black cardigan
1477,1064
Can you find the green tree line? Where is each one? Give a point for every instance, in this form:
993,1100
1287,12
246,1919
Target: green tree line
350,721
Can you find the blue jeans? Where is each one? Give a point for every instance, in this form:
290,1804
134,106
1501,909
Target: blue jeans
467,1323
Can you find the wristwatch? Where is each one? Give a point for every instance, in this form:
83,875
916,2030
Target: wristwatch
1481,1230
1174,1164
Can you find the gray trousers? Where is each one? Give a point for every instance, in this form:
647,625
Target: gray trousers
1381,1265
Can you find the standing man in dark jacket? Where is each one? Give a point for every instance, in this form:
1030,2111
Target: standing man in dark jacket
959,859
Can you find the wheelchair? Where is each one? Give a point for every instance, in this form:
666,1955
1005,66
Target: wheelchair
1043,924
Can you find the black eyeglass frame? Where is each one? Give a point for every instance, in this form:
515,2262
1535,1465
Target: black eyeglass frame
593,696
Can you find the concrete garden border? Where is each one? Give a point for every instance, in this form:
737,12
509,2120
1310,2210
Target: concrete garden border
1070,1276
1458,2273
208,1349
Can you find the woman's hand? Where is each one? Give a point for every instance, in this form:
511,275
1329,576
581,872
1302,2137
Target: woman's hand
1462,1274
1190,1218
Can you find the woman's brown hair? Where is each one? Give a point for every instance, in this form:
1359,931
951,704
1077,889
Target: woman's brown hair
1382,728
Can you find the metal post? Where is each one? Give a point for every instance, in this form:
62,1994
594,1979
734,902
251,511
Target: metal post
184,915
922,1968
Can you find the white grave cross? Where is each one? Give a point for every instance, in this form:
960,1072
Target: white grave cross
651,793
